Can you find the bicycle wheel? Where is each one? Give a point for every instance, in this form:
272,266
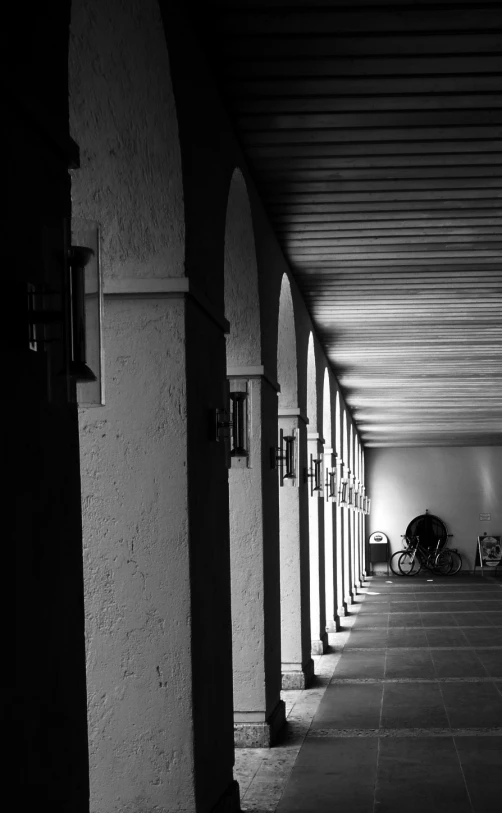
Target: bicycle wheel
409,563
442,563
394,562
456,562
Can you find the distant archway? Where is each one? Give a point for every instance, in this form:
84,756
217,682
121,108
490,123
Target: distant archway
242,306
287,360
297,665
339,524
254,561
316,512
329,539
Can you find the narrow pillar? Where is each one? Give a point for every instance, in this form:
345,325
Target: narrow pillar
318,634
259,712
347,559
331,564
297,663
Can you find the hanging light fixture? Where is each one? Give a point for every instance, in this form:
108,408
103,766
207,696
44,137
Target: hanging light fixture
331,480
286,455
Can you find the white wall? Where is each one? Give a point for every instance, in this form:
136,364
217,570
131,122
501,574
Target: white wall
455,483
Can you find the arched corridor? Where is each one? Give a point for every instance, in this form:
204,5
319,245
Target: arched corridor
212,404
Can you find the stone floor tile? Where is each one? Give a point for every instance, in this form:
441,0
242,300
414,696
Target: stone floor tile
460,663
350,706
418,705
402,663
331,775
446,637
472,619
361,665
491,660
420,775
438,619
480,760
472,705
407,638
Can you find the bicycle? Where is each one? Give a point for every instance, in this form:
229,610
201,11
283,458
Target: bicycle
456,559
409,562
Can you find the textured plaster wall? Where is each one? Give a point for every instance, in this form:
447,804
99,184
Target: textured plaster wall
136,565
242,306
253,529
454,483
134,450
123,117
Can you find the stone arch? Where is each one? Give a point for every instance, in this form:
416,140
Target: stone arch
316,511
242,308
329,526
123,117
130,178
312,385
345,513
339,524
254,550
297,665
287,359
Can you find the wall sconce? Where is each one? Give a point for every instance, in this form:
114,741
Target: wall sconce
287,456
343,488
357,495
350,498
331,479
368,505
239,424
79,257
314,474
86,291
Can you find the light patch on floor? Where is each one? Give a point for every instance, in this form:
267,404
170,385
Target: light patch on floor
262,773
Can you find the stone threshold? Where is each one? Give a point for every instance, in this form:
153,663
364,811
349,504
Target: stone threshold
338,681
419,648
335,733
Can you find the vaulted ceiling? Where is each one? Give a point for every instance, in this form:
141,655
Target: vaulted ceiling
374,133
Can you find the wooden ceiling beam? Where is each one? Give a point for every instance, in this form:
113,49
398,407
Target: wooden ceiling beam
430,44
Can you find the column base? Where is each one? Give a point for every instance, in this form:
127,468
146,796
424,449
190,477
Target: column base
296,676
230,801
333,625
256,734
320,646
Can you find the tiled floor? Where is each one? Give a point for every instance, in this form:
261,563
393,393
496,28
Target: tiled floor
411,719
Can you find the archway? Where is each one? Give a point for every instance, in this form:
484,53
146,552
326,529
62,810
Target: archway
254,549
297,664
339,521
347,597
316,512
330,559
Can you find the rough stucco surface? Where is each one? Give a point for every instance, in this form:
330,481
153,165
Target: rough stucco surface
122,116
287,362
136,566
241,282
255,586
246,549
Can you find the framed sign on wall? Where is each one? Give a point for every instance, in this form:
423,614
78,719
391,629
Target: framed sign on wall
489,553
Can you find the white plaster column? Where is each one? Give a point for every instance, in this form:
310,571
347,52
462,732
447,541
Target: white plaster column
339,538
259,712
156,575
318,634
347,540
330,551
297,664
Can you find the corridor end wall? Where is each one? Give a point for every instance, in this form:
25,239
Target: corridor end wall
457,484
